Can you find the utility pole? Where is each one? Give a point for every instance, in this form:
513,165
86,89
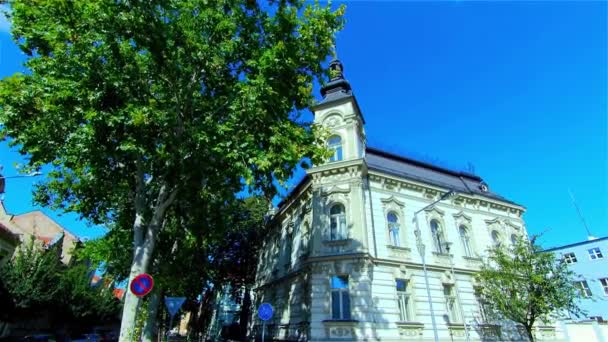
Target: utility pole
580,215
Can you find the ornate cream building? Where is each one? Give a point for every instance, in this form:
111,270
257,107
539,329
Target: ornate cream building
345,262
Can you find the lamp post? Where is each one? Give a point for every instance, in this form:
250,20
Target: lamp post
466,331
421,249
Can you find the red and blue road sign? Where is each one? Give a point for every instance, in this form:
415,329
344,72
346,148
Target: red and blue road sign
142,284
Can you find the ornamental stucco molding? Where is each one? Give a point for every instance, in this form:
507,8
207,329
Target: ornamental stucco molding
428,191
461,217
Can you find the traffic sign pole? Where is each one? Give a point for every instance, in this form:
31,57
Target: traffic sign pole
263,330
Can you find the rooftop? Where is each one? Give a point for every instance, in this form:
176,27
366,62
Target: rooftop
581,243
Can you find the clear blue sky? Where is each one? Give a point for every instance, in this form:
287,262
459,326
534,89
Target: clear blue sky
518,89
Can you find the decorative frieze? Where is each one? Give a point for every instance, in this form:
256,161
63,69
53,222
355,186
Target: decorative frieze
410,329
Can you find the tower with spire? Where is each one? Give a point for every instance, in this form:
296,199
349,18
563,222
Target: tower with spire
339,113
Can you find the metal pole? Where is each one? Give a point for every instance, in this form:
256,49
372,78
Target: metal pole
421,248
169,328
263,330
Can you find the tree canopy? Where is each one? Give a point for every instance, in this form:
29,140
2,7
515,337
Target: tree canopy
134,104
526,285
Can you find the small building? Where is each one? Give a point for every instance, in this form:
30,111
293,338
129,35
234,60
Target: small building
374,246
589,262
43,229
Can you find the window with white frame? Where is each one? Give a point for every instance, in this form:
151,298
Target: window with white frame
403,300
451,303
340,299
337,222
495,238
583,287
570,258
595,253
465,240
393,228
604,282
334,144
437,236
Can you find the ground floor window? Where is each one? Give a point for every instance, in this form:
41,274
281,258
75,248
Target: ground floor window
404,301
451,303
340,298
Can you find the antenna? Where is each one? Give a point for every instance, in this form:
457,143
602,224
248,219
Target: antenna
580,215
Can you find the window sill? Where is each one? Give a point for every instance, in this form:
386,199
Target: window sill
340,321
399,248
472,258
445,255
406,324
340,242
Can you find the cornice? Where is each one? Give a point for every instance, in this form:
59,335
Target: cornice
431,191
340,167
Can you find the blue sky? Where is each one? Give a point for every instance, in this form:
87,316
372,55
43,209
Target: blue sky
518,89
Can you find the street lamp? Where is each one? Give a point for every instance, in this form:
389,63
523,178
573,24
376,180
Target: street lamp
421,249
447,249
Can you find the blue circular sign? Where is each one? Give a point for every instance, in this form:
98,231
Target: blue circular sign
265,311
142,285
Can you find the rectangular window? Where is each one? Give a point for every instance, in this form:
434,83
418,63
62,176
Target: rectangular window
595,253
583,287
403,300
451,303
569,258
483,307
340,299
604,282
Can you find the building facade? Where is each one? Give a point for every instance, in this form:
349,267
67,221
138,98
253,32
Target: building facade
589,262
359,254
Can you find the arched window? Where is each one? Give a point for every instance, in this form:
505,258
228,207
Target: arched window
335,145
437,236
337,222
513,239
495,238
465,239
393,228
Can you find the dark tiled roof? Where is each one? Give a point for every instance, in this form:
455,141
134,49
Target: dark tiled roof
400,166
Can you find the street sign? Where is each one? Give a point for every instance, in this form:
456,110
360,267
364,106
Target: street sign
265,311
141,285
173,304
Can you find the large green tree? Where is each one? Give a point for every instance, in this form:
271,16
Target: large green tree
136,103
526,285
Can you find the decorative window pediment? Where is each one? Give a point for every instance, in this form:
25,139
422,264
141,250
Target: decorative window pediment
335,190
402,273
447,278
392,201
333,119
434,212
461,217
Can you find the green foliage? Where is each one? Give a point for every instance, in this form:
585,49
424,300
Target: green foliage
31,278
37,283
526,285
190,90
83,304
144,109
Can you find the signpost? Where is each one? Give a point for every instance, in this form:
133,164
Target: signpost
265,313
141,285
173,304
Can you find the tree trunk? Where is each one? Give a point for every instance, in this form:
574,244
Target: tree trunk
530,333
144,240
141,259
150,328
245,314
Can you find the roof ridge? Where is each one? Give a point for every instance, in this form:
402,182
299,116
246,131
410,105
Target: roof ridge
424,164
